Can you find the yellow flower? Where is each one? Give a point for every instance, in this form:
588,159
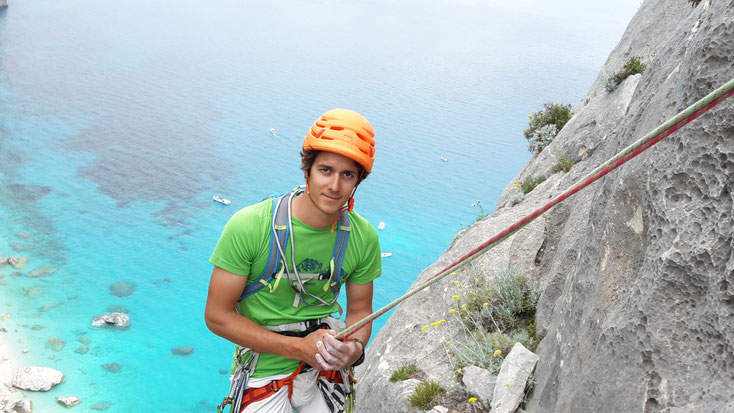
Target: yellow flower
456,282
453,310
455,296
530,116
458,371
497,353
460,290
507,384
485,304
448,342
425,327
472,400
453,273
481,265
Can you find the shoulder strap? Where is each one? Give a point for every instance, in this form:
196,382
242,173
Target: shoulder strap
340,249
278,241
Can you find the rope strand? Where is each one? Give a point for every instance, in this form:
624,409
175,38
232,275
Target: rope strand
661,132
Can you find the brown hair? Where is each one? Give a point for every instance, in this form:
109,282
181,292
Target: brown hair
308,157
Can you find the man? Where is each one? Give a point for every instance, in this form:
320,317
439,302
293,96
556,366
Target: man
287,357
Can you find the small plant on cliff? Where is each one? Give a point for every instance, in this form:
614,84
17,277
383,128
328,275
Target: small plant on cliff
482,213
563,163
403,373
694,3
545,125
632,67
424,394
529,183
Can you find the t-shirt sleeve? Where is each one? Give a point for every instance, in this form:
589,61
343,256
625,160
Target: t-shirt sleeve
370,261
237,247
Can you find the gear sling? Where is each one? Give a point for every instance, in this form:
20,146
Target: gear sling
246,359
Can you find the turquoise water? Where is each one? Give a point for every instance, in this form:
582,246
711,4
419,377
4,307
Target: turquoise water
120,120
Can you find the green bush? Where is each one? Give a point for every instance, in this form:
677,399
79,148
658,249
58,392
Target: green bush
540,132
530,183
563,164
424,394
403,373
632,67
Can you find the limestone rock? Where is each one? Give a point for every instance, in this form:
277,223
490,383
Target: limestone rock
514,373
11,402
36,378
113,320
17,262
479,382
122,288
68,401
182,350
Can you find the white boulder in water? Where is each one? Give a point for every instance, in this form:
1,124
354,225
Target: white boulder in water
36,378
116,320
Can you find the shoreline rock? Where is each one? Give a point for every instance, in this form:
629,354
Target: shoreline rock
35,378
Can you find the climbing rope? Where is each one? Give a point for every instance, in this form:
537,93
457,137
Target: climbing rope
660,133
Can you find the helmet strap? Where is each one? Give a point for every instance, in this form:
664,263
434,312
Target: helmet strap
350,204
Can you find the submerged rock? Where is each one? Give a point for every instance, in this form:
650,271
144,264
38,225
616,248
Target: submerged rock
17,262
122,288
112,367
41,272
33,292
182,350
68,401
118,309
114,320
47,307
36,378
101,406
83,349
55,344
84,340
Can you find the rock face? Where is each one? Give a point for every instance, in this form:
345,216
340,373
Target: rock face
37,378
636,271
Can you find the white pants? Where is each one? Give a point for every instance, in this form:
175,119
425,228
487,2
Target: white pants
306,398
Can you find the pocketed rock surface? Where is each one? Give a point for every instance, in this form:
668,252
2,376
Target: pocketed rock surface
636,272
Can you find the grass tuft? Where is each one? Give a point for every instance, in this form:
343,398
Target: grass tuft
403,373
424,395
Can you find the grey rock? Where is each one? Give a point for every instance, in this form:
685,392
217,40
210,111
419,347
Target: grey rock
112,320
182,350
514,373
68,401
36,378
122,288
440,409
83,349
479,382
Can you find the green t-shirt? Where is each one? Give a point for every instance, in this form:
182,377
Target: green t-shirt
243,250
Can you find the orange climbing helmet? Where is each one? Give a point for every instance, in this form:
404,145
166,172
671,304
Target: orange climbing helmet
346,133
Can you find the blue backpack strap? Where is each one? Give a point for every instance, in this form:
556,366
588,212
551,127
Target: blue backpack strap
279,235
340,249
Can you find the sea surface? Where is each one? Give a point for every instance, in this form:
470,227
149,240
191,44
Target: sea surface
120,119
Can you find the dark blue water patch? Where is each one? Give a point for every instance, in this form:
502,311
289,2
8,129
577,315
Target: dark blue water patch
28,193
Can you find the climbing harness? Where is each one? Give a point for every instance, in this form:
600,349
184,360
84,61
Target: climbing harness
276,268
281,232
330,381
658,134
